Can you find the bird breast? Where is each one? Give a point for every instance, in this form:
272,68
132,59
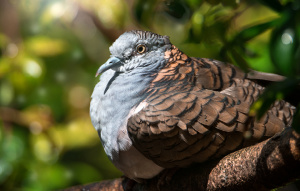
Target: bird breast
130,161
112,104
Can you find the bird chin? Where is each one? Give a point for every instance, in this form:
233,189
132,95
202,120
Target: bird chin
120,69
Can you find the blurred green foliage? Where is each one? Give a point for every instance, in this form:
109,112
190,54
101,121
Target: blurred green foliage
50,51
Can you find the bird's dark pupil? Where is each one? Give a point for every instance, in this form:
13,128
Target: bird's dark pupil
141,49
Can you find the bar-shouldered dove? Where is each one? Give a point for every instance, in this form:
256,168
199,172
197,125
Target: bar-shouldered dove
156,108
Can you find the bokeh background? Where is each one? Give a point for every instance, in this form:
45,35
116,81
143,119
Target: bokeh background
50,51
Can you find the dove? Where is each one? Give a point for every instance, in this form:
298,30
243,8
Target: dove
156,108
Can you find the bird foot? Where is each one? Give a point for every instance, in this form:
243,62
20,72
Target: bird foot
165,177
128,183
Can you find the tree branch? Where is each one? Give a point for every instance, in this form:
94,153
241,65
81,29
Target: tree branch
111,34
9,21
266,165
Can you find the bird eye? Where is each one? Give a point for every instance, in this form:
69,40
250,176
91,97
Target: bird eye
141,48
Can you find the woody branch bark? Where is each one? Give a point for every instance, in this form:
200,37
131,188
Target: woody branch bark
9,21
110,33
269,164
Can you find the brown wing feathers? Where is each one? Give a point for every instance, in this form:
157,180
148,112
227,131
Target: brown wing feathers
187,120
202,119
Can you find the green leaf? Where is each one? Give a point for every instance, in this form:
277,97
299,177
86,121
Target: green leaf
144,11
85,173
284,47
273,4
45,46
6,93
47,177
5,170
213,2
231,3
296,120
194,4
276,91
254,31
178,10
238,59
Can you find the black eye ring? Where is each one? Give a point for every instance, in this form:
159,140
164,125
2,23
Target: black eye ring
141,48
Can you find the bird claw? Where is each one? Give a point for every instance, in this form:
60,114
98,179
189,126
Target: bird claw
165,177
128,183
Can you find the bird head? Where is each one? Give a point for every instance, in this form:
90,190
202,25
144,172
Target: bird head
135,49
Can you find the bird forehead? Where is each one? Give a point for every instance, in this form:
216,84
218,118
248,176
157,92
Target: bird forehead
124,42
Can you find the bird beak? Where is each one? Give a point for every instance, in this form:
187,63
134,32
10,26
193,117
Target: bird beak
112,63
